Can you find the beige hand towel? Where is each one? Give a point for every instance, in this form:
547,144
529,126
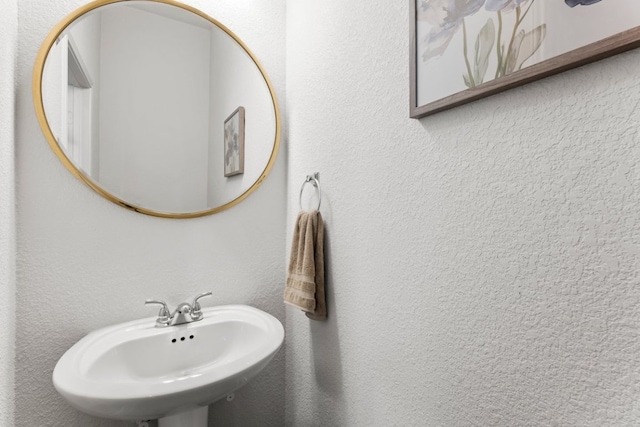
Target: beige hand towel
305,281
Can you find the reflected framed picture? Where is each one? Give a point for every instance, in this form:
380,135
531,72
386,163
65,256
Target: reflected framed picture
464,50
234,143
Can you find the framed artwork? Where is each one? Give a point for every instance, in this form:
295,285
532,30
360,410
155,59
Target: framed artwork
234,143
464,50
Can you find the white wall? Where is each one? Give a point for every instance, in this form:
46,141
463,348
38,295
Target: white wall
483,262
84,262
172,117
8,45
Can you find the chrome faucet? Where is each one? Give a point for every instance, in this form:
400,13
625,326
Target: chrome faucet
184,313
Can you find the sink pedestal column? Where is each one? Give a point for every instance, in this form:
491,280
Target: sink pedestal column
194,418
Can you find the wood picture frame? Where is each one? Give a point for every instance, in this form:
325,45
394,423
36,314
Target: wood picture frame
520,41
234,143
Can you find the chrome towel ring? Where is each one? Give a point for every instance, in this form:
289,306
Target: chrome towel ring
313,179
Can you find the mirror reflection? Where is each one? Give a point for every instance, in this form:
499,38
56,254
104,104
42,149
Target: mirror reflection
144,99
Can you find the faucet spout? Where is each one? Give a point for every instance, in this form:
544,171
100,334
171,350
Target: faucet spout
181,315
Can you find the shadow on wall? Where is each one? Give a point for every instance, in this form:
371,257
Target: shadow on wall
325,346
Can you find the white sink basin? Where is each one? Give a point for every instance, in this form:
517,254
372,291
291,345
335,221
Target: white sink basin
135,371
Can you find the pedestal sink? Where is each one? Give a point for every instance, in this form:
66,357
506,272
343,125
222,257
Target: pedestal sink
134,371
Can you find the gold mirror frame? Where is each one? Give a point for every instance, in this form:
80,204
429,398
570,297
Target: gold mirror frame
46,129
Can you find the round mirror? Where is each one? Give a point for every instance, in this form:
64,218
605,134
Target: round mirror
156,106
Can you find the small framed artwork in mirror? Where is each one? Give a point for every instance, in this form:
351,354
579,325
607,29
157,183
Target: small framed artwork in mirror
234,143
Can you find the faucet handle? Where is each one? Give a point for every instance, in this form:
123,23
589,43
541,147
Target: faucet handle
164,314
197,310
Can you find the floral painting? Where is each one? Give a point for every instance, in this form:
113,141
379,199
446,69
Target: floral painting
463,46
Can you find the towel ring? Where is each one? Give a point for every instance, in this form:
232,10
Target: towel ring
313,179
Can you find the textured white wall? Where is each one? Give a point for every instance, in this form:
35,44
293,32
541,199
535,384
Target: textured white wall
84,262
482,263
8,45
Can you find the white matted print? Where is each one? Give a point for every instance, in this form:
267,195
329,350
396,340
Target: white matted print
234,143
468,49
